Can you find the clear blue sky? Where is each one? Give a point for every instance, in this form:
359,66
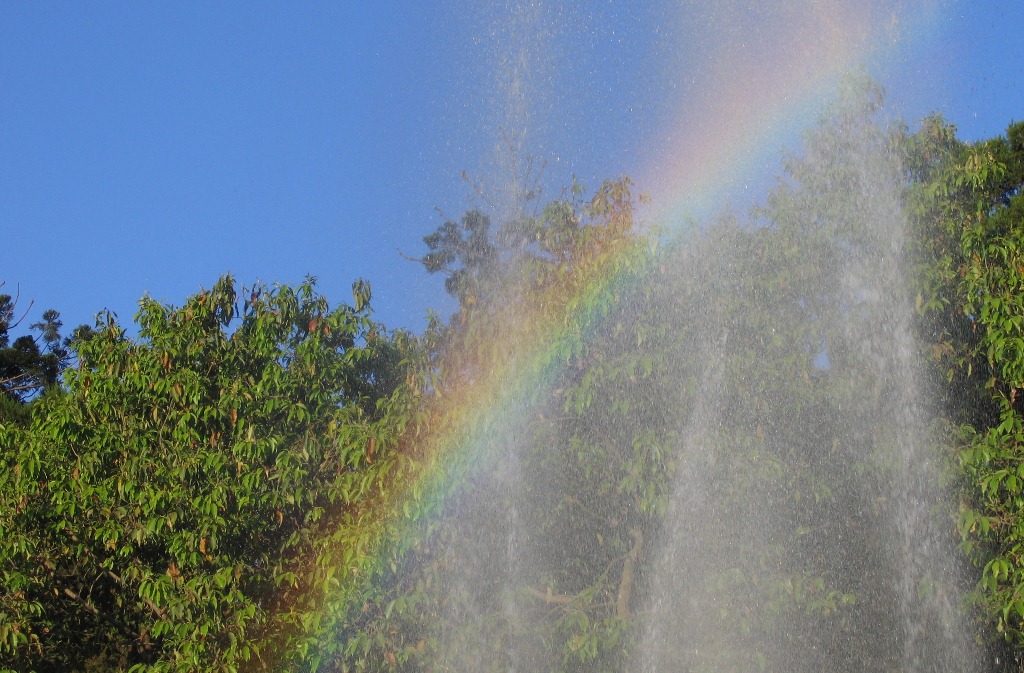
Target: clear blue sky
152,147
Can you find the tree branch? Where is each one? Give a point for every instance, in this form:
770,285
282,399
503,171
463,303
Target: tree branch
549,597
123,628
626,578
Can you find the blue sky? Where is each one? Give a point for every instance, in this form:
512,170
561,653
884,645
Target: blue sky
152,147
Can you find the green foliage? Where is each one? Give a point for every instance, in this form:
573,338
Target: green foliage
503,357
464,252
969,205
170,510
628,348
29,365
790,421
261,482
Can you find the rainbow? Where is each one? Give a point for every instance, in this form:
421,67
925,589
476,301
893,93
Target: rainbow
757,90
772,74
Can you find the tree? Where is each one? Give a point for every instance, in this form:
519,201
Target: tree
737,391
970,206
179,507
626,450
29,365
438,607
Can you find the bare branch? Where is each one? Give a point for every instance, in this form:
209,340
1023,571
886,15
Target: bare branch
17,298
549,597
418,260
626,578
